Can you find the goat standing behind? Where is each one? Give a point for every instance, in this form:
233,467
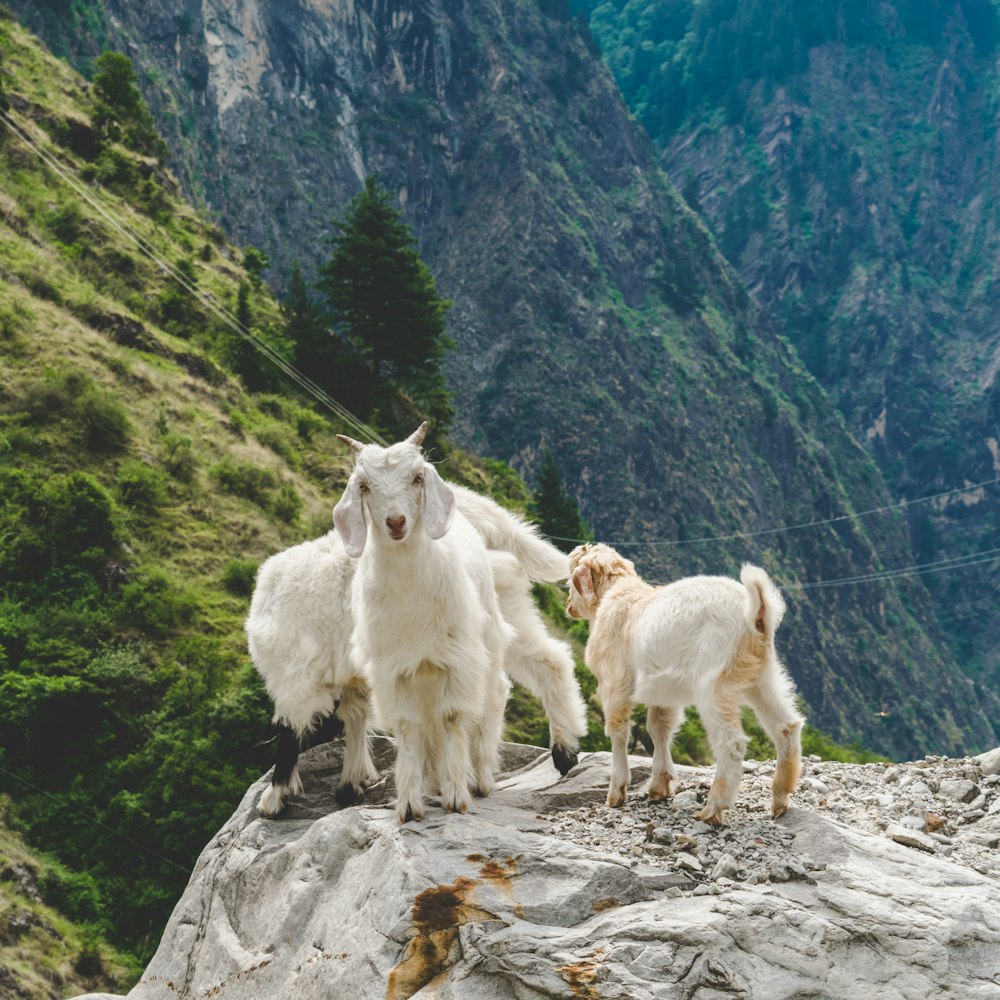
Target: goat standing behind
428,628
703,640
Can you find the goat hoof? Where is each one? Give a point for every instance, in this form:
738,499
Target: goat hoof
411,814
563,758
778,809
272,802
348,795
616,798
712,818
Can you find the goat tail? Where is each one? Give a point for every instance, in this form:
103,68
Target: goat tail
508,532
765,606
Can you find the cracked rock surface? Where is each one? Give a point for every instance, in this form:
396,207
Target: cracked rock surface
882,881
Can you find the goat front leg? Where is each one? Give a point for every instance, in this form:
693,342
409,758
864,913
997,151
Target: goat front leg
617,725
359,770
484,739
454,765
729,744
409,772
661,721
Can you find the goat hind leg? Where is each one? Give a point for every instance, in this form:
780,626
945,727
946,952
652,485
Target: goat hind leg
454,764
775,709
285,780
729,743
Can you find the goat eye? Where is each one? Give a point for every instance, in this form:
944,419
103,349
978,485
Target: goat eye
364,487
418,479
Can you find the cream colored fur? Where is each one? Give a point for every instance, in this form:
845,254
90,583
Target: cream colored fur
703,640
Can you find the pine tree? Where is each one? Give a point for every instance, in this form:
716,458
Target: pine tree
556,511
120,113
383,299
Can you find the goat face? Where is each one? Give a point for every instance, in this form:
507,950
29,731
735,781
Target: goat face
593,569
393,489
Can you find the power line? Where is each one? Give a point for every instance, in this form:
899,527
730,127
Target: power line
669,542
93,818
305,383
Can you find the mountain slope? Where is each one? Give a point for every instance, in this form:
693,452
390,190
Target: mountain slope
845,157
593,314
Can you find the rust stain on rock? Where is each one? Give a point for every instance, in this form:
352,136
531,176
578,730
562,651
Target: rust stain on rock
599,905
438,913
581,976
499,873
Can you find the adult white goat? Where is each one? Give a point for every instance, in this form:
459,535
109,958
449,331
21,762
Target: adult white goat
299,633
427,625
704,640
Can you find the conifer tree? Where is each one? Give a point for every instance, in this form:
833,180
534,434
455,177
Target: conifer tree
558,513
120,113
383,299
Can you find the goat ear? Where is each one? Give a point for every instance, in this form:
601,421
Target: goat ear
349,519
439,503
583,583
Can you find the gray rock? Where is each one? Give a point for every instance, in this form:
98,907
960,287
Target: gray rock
915,822
989,761
909,837
959,789
346,902
686,800
725,868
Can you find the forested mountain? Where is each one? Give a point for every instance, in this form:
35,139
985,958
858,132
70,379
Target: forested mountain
845,157
594,316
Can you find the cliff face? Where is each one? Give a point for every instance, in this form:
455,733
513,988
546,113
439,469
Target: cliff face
593,314
543,891
851,180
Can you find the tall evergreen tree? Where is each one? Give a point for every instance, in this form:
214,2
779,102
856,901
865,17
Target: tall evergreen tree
383,299
557,512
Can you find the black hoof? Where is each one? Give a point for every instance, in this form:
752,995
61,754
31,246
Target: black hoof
349,795
563,758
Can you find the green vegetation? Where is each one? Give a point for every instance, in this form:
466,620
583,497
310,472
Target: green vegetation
399,338
555,510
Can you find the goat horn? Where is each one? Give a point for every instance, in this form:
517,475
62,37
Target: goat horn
417,437
351,443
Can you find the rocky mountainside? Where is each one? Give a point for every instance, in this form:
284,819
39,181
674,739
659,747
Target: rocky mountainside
542,891
845,157
593,314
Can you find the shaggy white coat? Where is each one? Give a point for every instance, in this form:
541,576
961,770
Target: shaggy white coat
427,625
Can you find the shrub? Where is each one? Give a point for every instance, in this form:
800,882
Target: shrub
239,576
103,420
244,479
141,487
178,456
287,504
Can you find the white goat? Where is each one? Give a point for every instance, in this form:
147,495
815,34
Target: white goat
705,640
427,625
299,634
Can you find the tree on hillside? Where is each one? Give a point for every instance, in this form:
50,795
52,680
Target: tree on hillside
556,511
383,300
120,113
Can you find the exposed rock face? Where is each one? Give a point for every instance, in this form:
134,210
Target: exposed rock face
510,901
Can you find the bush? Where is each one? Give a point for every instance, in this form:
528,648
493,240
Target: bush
105,424
141,487
287,504
178,456
244,479
239,576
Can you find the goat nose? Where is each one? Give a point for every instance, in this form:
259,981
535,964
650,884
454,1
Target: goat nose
396,524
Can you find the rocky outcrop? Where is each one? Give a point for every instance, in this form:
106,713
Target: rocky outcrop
542,891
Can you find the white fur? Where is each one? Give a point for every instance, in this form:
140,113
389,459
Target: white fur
428,629
300,624
299,639
704,640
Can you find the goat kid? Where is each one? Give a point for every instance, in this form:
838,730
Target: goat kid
428,627
703,640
